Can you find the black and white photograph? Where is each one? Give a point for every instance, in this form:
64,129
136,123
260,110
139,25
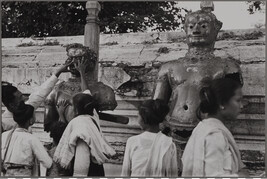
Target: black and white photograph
133,89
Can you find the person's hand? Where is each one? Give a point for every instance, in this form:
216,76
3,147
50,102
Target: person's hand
63,68
81,65
61,106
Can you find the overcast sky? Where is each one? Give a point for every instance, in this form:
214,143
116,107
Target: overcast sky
233,14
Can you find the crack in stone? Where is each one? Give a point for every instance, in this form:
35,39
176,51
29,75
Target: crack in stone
141,52
157,55
41,50
253,62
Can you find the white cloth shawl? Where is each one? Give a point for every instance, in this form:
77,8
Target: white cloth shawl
82,127
193,162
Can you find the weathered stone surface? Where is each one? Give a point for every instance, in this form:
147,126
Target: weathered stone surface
254,79
27,79
135,48
113,76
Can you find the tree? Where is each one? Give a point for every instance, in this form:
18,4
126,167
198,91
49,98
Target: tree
25,19
255,6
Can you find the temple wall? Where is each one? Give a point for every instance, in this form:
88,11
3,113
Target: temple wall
129,64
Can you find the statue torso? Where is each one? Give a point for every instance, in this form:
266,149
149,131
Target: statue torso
186,76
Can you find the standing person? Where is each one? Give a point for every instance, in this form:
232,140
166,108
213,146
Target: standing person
211,150
151,153
82,142
13,98
20,148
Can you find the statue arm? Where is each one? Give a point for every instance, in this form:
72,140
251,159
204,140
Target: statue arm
163,89
51,114
234,71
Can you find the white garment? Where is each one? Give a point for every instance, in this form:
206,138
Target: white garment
35,99
150,154
82,127
23,149
211,151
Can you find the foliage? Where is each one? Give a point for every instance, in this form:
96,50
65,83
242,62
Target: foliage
255,6
25,19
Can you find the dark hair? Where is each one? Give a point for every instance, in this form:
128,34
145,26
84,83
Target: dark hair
153,112
8,93
23,114
219,92
84,103
57,130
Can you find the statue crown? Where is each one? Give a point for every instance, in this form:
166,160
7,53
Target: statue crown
207,6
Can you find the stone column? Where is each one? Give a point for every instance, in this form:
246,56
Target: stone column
92,31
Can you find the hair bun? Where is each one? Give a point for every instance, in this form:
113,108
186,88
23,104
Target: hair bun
92,103
160,108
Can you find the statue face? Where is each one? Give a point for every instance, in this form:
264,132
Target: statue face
76,54
200,30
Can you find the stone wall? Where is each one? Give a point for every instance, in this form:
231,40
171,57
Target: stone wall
129,64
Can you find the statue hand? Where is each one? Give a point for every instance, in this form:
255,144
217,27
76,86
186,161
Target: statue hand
81,65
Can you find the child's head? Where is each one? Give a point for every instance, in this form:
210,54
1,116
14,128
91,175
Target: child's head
83,104
152,113
57,130
24,116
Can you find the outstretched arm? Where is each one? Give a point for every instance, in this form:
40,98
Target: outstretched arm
82,159
40,94
51,114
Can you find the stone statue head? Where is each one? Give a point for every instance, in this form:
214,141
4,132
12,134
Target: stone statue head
201,29
76,52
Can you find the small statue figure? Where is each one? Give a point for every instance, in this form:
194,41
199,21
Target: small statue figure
179,81
66,89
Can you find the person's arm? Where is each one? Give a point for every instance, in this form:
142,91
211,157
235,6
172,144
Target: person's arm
81,67
82,159
215,148
174,164
40,94
214,155
126,166
163,89
40,153
51,113
170,162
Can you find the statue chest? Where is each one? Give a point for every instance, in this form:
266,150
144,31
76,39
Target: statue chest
68,89
194,74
